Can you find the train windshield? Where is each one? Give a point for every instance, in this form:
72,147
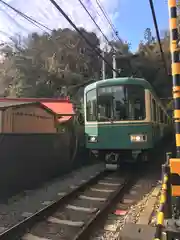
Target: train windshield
121,103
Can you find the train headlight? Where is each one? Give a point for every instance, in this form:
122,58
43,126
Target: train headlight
92,139
138,138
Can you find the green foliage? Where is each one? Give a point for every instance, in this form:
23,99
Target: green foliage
47,63
42,65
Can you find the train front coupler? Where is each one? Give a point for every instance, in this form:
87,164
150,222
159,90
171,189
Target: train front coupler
112,161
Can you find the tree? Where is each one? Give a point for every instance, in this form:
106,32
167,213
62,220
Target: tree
42,65
149,39
51,61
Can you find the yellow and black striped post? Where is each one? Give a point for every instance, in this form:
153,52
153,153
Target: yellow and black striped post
161,210
175,69
175,162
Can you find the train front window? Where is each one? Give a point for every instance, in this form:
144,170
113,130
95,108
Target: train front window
121,103
91,105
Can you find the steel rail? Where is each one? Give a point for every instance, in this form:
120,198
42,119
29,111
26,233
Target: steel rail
16,231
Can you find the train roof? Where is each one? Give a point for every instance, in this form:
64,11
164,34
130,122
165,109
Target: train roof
117,81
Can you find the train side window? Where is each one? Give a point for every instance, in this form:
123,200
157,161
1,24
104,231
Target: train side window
154,110
158,113
161,116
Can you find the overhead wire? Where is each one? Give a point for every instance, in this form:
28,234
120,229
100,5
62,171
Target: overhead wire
29,19
33,21
92,7
82,4
13,20
158,35
94,48
112,27
12,40
108,20
37,24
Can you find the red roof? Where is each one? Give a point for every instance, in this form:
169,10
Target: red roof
61,106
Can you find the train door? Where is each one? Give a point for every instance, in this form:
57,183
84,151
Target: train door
153,117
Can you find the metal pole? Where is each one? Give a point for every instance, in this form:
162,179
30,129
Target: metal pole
103,67
168,210
114,65
175,69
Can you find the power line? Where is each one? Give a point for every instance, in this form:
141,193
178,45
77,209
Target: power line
13,20
82,4
94,48
158,36
95,10
33,21
107,18
36,23
30,19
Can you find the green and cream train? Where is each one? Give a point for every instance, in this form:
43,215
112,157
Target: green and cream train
124,119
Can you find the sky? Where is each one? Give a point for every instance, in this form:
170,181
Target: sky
129,17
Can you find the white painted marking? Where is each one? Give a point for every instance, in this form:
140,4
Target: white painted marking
108,183
127,201
92,176
92,198
33,237
112,167
110,227
83,209
61,193
65,222
136,186
47,202
26,214
133,192
102,190
83,180
73,186
111,224
114,178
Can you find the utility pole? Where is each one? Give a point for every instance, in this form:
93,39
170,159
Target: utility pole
103,67
114,65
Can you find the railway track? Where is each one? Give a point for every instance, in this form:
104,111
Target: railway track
74,214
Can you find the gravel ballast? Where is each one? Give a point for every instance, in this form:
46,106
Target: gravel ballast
114,224
18,209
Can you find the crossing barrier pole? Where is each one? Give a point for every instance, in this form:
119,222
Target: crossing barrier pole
175,66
